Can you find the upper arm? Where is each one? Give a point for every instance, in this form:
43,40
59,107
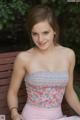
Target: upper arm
17,74
71,71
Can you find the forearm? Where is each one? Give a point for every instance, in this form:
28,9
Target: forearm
73,101
12,100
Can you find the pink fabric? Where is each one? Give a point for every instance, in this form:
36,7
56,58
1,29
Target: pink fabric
36,113
44,103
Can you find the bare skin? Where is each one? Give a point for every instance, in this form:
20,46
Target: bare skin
45,57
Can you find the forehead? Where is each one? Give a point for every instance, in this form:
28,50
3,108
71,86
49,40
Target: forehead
44,25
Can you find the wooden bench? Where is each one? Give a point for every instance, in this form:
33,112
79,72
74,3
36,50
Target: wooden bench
6,66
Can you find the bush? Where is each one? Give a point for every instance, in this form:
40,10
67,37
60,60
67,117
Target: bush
77,89
9,11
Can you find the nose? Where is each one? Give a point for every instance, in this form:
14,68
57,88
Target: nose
40,39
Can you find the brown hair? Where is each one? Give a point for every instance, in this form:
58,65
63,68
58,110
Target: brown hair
41,13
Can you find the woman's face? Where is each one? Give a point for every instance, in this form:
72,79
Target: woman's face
43,35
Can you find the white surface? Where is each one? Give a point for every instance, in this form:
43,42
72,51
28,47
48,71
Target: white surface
2,117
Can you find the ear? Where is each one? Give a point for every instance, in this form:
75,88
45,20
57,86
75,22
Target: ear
54,33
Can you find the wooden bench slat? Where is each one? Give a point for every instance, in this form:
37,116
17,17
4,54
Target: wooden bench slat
6,61
4,110
3,96
5,74
4,82
21,106
8,117
3,89
8,54
3,104
6,67
22,92
22,99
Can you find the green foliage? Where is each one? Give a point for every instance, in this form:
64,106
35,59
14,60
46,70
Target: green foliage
77,89
10,10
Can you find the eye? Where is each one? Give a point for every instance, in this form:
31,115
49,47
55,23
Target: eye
34,34
46,32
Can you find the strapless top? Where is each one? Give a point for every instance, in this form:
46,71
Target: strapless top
46,89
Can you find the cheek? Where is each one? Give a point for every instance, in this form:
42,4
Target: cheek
50,37
34,39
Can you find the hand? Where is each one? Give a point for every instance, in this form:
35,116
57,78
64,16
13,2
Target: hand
17,117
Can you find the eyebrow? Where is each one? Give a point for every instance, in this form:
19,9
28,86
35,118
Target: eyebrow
42,31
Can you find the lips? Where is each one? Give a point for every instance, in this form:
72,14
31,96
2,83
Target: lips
42,43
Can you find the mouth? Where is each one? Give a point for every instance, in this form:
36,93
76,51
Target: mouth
43,43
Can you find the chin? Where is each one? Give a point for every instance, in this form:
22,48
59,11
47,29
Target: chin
43,47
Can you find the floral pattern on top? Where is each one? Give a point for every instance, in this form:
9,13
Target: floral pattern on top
44,94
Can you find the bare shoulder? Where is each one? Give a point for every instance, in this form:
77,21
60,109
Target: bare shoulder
69,53
24,56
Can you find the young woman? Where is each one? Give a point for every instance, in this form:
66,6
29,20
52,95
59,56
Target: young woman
47,69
